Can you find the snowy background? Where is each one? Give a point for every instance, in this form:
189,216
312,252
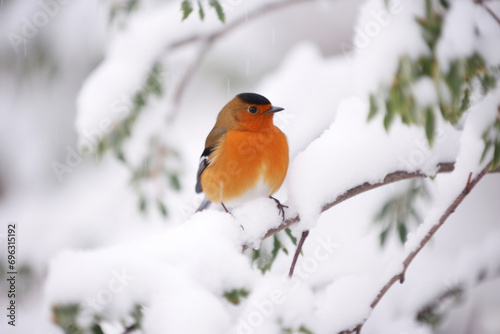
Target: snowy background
91,235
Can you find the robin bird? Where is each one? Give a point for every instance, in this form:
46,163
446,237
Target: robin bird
245,156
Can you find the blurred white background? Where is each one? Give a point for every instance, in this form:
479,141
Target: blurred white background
95,205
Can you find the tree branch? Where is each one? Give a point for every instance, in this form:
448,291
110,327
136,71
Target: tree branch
488,9
400,276
208,39
297,252
264,9
130,329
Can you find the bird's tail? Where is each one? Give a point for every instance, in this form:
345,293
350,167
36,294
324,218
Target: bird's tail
204,205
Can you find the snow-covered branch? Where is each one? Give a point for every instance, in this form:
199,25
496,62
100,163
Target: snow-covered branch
444,167
471,183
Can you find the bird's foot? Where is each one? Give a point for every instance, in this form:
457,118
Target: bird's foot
281,207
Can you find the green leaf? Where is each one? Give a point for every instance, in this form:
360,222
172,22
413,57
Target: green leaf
431,318
425,65
276,248
65,316
288,232
139,100
383,236
255,254
402,232
465,101
162,207
219,10
101,147
430,124
120,156
389,116
455,79
174,181
487,147
132,5
496,156
488,82
444,3
263,260
201,12
385,209
234,296
186,8
373,107
142,204
96,329
137,313
305,330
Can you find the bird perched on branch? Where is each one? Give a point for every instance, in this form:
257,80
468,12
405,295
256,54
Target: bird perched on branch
245,156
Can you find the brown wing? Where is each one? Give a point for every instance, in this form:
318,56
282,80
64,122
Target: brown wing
210,145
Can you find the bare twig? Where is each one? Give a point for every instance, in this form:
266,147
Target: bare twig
297,252
488,9
130,329
423,242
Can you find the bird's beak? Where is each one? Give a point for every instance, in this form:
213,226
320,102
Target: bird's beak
273,110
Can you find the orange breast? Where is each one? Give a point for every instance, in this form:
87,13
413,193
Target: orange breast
246,165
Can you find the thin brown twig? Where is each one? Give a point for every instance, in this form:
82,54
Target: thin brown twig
297,252
130,329
488,9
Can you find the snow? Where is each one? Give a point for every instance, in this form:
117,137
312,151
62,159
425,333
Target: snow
256,218
102,92
356,293
382,36
114,280
307,73
424,92
458,33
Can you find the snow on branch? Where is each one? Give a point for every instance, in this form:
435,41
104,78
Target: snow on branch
443,167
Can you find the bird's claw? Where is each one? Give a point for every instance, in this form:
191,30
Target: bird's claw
281,207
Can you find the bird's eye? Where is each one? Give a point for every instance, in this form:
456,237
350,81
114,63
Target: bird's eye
252,110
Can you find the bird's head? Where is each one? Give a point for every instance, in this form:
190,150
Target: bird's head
248,111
